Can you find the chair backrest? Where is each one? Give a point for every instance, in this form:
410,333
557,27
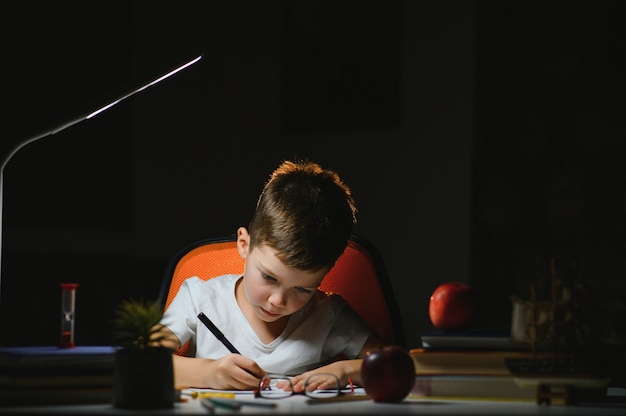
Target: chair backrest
359,276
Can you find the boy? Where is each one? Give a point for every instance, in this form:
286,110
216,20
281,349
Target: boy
273,313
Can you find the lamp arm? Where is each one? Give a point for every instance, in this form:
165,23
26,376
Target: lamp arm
68,124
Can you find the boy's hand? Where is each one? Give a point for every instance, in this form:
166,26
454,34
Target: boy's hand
344,370
231,372
235,371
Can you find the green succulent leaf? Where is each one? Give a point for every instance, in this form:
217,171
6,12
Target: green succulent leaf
135,324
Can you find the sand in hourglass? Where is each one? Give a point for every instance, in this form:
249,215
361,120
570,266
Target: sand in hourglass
68,299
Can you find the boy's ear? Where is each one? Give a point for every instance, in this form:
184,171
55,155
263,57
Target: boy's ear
243,242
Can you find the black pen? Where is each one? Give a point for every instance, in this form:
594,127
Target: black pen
218,334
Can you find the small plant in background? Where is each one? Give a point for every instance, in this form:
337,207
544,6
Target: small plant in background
143,376
135,324
567,314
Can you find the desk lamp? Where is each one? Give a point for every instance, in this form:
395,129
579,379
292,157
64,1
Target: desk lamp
70,124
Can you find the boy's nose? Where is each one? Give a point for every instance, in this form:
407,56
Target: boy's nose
278,298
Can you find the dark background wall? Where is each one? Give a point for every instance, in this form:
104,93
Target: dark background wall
549,177
418,105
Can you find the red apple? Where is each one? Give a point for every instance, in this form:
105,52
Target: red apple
388,374
453,306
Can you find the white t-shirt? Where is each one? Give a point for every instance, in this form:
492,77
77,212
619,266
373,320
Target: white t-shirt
315,334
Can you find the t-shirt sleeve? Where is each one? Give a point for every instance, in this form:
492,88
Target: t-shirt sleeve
349,332
176,317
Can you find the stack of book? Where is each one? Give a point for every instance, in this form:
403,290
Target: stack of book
34,375
469,365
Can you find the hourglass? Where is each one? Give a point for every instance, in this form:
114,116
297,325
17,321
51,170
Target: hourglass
68,299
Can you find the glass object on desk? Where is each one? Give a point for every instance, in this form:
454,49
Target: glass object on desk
68,308
317,386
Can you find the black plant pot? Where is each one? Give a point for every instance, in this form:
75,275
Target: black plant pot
143,379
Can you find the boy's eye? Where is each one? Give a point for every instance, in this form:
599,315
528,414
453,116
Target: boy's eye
271,279
268,277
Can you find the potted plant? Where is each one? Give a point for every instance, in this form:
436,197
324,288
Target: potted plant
143,376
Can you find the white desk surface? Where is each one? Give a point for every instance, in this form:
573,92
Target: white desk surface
298,405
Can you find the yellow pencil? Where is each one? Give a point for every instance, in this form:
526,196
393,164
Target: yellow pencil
208,394
215,395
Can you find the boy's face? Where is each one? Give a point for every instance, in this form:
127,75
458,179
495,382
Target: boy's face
274,290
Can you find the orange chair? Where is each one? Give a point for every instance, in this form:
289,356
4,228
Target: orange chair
359,276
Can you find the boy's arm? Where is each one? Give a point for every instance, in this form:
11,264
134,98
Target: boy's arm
232,372
164,337
344,370
373,343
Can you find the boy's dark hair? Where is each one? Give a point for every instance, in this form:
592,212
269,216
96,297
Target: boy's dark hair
305,213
